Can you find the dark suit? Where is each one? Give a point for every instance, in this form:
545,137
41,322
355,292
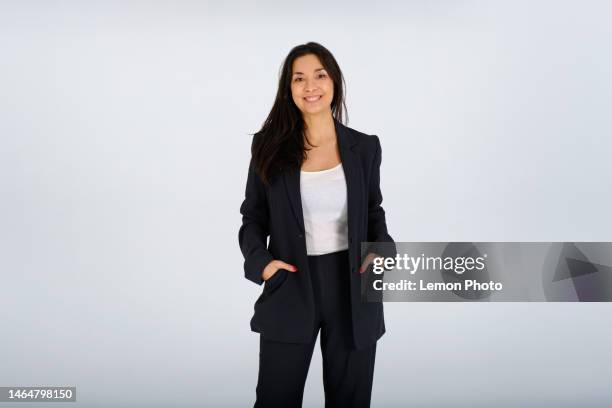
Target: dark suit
285,310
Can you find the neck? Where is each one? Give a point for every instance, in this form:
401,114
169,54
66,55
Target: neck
320,129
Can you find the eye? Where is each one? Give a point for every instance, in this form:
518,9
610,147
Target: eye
322,76
297,79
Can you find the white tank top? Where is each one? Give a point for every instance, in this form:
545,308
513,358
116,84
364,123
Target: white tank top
324,206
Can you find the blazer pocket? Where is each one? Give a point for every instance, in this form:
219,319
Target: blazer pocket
275,280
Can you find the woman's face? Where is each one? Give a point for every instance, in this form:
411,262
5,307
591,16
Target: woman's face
311,87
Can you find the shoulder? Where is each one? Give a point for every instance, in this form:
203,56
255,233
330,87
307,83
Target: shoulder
256,139
367,144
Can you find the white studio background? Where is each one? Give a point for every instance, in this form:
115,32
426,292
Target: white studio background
123,159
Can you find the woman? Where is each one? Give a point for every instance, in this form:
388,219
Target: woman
313,187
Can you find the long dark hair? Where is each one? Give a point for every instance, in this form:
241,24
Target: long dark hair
279,144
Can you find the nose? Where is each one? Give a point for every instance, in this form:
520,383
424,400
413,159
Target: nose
309,85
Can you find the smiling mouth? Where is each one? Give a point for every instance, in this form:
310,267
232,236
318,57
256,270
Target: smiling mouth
312,98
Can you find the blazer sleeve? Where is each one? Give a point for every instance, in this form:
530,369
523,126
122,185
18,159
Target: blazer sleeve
254,231
377,225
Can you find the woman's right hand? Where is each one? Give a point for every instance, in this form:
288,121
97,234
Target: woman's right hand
274,265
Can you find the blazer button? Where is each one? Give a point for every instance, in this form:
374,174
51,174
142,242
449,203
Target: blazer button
301,236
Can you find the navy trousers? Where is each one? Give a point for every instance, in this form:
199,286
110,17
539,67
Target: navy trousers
347,372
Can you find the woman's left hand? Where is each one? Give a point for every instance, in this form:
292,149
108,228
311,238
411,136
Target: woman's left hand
367,261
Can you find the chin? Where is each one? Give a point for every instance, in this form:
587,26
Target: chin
315,110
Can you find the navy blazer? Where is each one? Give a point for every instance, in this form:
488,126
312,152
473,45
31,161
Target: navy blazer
285,309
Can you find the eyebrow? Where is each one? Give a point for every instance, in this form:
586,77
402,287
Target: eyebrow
318,69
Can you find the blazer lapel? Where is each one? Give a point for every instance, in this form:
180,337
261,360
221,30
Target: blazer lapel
352,173
354,180
292,184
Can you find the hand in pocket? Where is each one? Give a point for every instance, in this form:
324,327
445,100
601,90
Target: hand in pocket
274,265
367,261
